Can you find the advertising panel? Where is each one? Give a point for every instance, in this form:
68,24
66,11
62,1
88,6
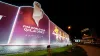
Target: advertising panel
27,25
31,27
57,35
7,17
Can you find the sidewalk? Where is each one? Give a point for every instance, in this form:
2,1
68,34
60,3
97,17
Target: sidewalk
91,50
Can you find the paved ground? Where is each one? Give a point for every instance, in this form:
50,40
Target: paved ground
91,50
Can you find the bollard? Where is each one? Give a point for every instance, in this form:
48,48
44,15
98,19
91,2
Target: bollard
48,50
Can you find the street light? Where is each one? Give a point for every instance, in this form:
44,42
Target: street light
84,34
69,27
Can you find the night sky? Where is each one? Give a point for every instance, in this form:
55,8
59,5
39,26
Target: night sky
79,14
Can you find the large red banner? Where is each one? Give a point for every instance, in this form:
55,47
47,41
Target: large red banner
27,25
7,17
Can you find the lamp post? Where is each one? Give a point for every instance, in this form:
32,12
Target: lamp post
69,28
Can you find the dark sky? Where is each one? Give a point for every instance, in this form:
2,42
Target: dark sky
79,14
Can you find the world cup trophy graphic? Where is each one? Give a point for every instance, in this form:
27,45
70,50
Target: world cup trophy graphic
38,13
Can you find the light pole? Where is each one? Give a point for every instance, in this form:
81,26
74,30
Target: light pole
69,28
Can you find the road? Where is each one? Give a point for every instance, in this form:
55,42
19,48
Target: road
91,50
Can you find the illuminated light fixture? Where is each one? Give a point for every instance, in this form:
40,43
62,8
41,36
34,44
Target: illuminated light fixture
14,48
84,34
33,42
13,26
1,17
18,42
84,29
69,27
49,32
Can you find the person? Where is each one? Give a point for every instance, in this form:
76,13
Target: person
49,50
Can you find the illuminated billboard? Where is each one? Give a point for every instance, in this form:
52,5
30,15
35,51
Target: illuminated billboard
27,31
31,27
7,17
57,35
27,25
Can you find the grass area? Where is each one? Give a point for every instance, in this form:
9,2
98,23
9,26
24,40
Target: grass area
77,51
60,51
37,53
44,52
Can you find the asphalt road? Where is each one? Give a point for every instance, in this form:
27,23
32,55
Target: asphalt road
91,50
